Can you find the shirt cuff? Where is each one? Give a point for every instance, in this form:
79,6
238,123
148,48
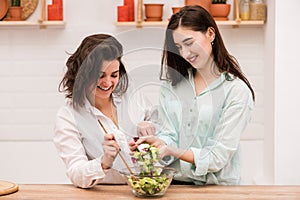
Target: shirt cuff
168,141
167,160
201,159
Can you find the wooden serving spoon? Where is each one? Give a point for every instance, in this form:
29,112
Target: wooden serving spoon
120,154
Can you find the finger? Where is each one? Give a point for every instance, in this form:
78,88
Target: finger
143,132
109,137
141,139
134,147
111,143
108,151
153,130
150,131
131,142
148,138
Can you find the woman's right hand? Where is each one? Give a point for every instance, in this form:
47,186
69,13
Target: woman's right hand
111,150
145,128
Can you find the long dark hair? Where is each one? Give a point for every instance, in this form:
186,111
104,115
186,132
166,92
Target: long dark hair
176,67
85,64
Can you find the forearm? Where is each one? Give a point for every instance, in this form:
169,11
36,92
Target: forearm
182,154
85,174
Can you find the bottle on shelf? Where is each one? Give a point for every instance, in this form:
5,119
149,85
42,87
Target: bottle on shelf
244,10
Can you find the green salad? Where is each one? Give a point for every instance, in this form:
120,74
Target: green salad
146,157
150,180
149,185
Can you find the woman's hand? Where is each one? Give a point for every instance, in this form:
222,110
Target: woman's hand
111,150
153,141
145,128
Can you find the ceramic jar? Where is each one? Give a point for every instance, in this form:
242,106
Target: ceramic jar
220,11
257,10
153,11
204,3
175,9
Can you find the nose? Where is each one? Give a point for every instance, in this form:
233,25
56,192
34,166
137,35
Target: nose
106,81
185,52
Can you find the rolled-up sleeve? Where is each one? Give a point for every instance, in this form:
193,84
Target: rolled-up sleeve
220,148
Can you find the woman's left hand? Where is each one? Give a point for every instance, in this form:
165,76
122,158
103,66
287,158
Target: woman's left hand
152,140
164,150
145,128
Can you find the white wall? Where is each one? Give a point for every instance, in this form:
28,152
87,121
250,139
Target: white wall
287,96
32,63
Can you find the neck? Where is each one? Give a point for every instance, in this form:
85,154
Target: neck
107,107
103,104
203,77
208,74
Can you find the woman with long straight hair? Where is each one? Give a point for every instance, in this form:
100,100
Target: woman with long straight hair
205,104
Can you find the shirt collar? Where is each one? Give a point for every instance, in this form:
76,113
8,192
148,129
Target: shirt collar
89,107
216,83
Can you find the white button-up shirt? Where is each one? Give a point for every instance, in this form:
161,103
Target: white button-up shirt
78,137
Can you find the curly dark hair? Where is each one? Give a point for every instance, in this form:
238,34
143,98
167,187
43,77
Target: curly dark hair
196,18
83,67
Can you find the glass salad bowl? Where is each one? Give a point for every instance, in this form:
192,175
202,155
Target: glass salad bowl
149,185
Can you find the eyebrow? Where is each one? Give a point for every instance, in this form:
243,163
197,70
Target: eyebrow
186,39
112,72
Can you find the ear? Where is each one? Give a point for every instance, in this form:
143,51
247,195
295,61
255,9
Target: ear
210,33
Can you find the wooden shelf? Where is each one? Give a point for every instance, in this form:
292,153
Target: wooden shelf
219,23
237,22
43,24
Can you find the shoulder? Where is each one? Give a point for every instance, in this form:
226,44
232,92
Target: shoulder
166,88
237,91
65,111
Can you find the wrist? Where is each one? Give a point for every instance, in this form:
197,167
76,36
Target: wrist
104,166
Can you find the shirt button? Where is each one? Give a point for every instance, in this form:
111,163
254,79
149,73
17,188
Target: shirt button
191,110
189,124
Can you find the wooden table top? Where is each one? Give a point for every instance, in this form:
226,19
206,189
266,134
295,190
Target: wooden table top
182,192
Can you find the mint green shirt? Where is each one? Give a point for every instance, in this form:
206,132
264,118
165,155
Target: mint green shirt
210,124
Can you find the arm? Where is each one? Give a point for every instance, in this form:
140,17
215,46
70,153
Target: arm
222,146
168,121
82,172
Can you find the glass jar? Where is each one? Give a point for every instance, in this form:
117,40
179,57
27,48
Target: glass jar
257,10
244,10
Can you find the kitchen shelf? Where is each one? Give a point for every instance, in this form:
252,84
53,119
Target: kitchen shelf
42,24
233,23
237,22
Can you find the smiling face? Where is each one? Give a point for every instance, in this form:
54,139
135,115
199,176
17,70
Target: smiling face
108,80
194,46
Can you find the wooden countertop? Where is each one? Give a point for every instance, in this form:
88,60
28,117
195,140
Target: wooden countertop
182,192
